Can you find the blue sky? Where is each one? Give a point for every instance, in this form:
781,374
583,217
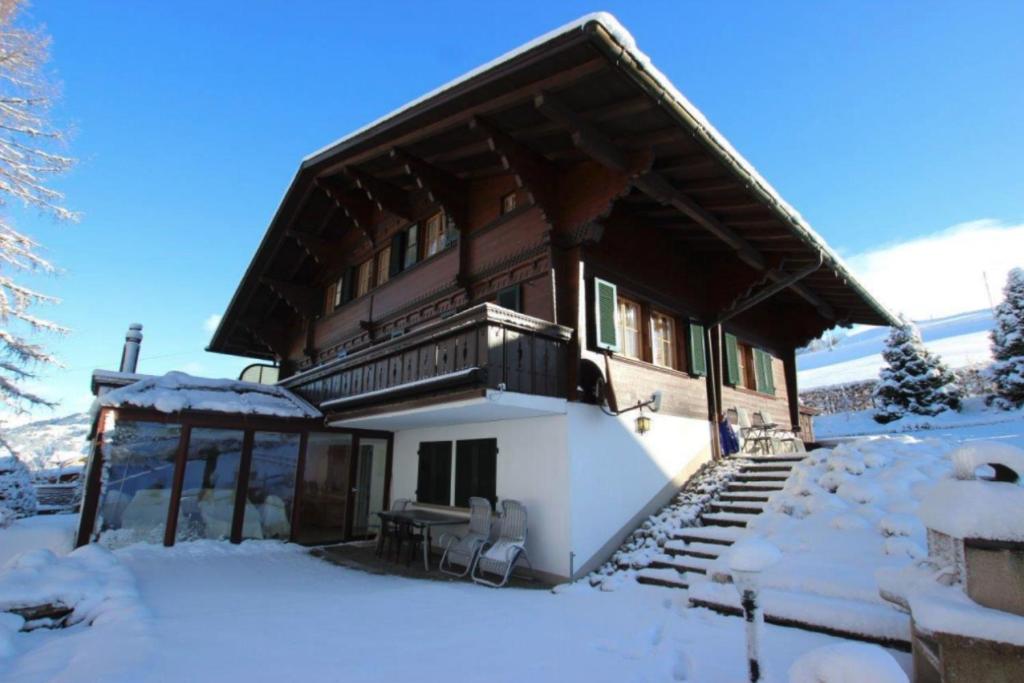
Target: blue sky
881,122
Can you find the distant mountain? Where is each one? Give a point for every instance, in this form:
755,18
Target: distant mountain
960,339
46,444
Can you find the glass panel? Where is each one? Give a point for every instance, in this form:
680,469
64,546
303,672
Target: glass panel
211,477
138,474
325,489
383,264
412,246
268,505
435,234
363,277
629,328
662,340
370,470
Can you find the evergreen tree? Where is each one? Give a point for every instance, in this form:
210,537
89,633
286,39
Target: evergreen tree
1007,371
17,493
913,380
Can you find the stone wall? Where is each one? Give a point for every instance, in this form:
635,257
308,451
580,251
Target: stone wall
853,396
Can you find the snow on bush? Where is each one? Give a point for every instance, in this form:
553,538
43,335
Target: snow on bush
1007,371
17,493
913,379
90,581
847,663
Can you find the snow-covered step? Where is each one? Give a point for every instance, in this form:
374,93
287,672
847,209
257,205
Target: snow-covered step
692,565
738,508
762,486
846,618
757,477
668,578
768,467
719,535
726,519
743,497
775,458
708,551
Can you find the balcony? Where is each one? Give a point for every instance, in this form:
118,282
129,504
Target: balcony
484,347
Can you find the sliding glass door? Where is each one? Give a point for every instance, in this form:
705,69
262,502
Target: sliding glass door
369,486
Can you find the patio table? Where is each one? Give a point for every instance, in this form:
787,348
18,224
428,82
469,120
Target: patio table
422,519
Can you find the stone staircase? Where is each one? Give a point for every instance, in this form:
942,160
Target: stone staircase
691,550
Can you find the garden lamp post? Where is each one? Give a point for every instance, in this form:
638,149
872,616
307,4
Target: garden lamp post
746,562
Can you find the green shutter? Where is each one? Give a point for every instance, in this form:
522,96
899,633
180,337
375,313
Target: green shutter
397,254
763,372
606,297
769,376
732,364
698,359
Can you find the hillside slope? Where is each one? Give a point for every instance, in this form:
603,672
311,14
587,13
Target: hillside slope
961,340
53,443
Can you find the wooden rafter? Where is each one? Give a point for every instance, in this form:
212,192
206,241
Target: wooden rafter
359,212
316,246
533,173
386,196
598,146
304,300
442,187
275,342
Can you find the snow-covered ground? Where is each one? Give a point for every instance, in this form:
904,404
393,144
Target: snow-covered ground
265,611
975,421
961,340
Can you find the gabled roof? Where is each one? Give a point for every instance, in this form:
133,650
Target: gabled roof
594,64
177,392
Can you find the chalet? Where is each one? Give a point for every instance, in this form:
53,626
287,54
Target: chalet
489,292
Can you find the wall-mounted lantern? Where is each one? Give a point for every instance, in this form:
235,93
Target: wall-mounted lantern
643,423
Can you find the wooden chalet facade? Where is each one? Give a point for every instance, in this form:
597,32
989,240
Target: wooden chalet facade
556,229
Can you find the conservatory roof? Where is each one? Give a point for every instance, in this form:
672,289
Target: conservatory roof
178,392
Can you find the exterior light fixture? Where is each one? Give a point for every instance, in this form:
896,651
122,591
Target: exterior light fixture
643,424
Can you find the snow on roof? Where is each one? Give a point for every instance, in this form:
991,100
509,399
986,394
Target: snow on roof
176,392
703,126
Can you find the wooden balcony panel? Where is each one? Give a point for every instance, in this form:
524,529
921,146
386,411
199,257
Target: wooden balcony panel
518,352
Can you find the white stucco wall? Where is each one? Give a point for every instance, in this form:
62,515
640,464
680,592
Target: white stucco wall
532,467
615,472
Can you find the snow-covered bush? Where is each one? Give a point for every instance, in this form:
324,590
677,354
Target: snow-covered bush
1008,344
847,663
17,493
913,380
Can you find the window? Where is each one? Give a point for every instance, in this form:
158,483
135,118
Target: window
435,234
139,459
510,298
412,246
434,476
442,481
475,470
509,203
363,277
663,340
208,492
629,328
383,265
268,503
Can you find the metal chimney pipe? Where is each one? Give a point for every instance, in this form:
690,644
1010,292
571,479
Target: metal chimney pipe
132,344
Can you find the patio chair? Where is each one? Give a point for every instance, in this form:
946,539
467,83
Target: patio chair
755,439
783,440
389,530
500,557
462,552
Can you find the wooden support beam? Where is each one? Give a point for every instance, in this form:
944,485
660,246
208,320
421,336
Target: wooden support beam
386,196
319,248
276,342
304,300
596,144
533,173
442,187
584,135
359,212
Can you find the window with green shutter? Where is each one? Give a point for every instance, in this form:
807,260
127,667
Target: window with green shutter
732,360
698,361
763,372
605,303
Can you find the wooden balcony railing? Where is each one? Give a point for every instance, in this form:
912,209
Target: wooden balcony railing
486,346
